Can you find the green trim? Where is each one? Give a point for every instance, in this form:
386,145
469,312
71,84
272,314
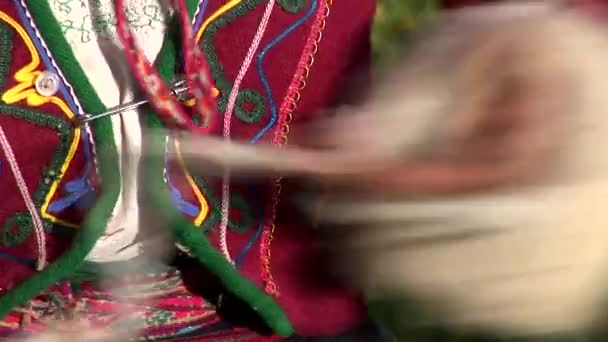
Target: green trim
237,201
253,97
66,134
293,6
185,232
94,224
217,69
17,228
6,47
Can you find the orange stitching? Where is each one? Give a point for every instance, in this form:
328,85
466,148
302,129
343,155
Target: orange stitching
281,134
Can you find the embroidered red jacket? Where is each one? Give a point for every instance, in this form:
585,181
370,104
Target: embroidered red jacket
69,172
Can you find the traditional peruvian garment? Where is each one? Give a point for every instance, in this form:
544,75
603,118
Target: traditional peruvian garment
76,241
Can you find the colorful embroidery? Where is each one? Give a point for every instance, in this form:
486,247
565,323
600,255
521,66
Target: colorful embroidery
199,215
53,170
244,99
177,199
158,304
79,191
222,17
234,92
37,223
23,229
24,223
260,67
24,90
246,218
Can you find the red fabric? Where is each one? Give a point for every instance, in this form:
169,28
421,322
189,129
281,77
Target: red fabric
595,8
33,146
312,304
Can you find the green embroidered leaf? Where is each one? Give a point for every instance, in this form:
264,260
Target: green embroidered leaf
293,6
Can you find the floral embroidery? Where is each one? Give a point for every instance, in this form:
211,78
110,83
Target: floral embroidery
144,16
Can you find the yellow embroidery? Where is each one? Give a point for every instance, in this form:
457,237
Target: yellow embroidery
25,90
220,11
214,92
197,192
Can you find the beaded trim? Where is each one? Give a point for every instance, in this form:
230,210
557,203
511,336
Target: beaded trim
288,106
6,46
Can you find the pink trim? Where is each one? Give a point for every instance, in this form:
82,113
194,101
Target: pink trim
225,205
25,194
280,134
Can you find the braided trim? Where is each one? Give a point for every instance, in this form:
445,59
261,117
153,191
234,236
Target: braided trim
280,138
27,199
225,204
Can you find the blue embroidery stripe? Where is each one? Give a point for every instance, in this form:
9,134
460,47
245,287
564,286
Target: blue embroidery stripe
263,78
78,187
